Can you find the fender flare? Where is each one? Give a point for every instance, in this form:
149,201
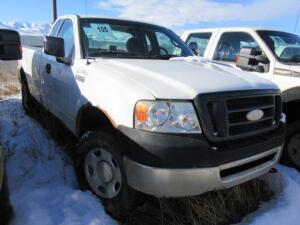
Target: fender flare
290,95
101,112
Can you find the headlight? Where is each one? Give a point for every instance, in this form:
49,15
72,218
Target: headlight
166,117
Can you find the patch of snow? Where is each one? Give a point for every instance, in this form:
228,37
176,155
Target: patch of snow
41,178
284,210
27,28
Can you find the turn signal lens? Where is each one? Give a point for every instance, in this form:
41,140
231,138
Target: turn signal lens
141,112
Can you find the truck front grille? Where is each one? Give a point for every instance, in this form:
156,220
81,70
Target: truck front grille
224,115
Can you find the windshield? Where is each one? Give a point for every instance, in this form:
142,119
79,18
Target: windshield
285,46
124,39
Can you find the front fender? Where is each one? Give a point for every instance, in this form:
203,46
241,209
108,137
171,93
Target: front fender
290,95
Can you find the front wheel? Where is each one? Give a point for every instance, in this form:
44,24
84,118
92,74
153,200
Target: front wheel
291,155
100,168
5,208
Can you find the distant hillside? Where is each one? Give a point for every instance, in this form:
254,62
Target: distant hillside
27,28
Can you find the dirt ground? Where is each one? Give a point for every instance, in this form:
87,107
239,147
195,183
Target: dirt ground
9,84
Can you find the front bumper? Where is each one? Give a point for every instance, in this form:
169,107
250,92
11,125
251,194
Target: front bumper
163,182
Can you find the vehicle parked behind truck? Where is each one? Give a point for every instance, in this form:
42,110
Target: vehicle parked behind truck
10,49
274,55
149,120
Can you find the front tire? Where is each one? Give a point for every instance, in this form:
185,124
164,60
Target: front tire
99,168
5,208
291,154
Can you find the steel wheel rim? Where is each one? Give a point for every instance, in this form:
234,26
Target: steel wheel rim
294,149
102,173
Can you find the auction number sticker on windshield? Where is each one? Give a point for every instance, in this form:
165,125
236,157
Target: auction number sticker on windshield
102,28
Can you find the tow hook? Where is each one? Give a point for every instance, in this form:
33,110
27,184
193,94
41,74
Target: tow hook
273,170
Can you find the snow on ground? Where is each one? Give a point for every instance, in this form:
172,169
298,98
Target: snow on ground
41,179
43,187
284,210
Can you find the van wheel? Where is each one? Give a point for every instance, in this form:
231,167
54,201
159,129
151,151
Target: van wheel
100,168
27,99
291,154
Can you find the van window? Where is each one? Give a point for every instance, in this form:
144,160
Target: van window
201,39
230,45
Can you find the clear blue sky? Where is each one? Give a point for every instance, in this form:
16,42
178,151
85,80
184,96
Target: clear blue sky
279,14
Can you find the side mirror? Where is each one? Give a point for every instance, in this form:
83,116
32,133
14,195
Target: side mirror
54,46
252,60
10,45
194,47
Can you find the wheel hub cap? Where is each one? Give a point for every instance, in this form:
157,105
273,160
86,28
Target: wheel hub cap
105,171
102,173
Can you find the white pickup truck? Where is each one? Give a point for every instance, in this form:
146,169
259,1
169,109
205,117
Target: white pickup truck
273,55
150,119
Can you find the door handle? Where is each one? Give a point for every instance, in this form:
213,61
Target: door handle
48,68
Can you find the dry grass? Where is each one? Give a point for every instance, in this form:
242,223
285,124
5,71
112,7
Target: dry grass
213,208
9,89
9,84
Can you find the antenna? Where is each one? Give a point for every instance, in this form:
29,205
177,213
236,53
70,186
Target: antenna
87,43
54,9
297,20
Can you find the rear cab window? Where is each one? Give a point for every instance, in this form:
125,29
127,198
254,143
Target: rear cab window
201,39
230,44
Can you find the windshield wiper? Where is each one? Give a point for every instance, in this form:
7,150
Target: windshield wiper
295,59
116,55
165,57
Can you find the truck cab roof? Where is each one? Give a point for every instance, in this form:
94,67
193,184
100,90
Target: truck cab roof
73,16
224,29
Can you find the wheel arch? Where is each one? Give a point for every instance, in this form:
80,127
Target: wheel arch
90,118
291,104
22,76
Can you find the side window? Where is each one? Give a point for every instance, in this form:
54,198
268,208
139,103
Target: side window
201,39
230,45
56,28
67,33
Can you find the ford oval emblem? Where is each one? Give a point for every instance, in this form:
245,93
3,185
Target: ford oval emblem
255,115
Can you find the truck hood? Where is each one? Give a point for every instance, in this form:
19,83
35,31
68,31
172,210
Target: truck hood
182,79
